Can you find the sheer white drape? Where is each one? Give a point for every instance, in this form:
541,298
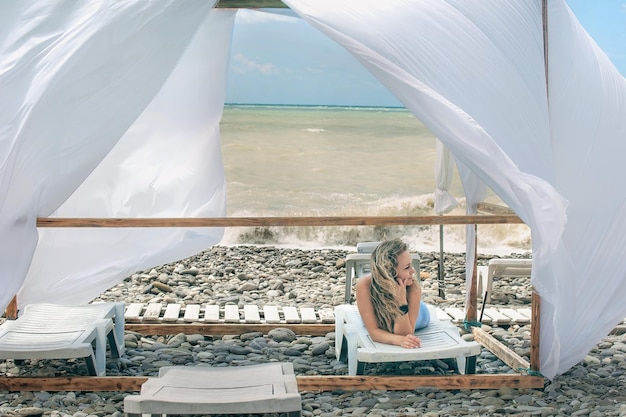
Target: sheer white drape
102,115
444,170
108,109
473,73
584,285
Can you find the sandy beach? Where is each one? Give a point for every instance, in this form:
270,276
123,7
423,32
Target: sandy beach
291,277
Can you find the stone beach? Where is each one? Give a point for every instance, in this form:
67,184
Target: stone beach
265,275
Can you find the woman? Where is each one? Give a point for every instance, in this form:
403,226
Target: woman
389,299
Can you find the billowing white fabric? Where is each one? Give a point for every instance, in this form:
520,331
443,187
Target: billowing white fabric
444,201
74,77
444,170
473,73
584,285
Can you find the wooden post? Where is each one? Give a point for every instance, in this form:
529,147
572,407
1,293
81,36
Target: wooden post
535,327
441,269
11,311
472,308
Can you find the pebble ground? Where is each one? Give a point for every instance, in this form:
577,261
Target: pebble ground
315,278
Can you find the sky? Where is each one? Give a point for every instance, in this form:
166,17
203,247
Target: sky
279,59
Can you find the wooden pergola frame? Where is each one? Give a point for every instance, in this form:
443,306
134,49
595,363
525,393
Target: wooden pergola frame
250,4
523,379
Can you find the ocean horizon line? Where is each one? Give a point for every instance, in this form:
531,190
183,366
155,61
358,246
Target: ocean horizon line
321,106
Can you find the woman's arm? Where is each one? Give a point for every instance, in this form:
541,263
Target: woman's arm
413,296
366,310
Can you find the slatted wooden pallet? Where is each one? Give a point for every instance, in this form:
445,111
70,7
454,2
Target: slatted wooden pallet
212,313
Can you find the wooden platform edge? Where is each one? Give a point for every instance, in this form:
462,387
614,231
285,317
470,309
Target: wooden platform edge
227,328
305,383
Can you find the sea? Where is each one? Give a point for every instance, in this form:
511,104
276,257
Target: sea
341,161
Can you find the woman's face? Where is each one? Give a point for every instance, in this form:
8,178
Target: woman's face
405,270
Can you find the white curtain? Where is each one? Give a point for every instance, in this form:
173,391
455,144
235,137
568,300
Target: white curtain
101,114
473,73
109,109
444,170
584,284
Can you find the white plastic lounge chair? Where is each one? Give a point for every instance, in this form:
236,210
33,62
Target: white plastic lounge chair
440,340
498,268
358,264
51,331
184,390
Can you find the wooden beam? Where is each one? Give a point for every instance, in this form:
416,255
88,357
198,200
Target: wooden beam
505,354
407,383
535,329
276,221
73,383
305,383
250,4
227,328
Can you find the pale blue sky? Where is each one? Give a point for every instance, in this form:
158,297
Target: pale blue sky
283,60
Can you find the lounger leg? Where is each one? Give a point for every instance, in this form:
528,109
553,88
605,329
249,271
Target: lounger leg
118,341
460,364
470,365
360,368
342,354
341,344
101,346
339,334
115,353
90,361
351,347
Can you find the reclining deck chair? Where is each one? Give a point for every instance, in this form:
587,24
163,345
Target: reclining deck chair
498,268
358,264
51,331
440,340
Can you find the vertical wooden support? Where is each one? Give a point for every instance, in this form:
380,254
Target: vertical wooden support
535,327
472,308
441,269
544,19
11,311
535,323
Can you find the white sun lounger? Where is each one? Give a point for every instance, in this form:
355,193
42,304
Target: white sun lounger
440,340
186,390
498,268
51,331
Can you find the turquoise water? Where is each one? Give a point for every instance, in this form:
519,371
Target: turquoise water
338,161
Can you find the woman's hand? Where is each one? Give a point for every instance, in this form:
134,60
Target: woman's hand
403,284
411,341
407,282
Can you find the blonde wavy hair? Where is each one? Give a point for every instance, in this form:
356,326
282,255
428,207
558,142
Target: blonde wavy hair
384,285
